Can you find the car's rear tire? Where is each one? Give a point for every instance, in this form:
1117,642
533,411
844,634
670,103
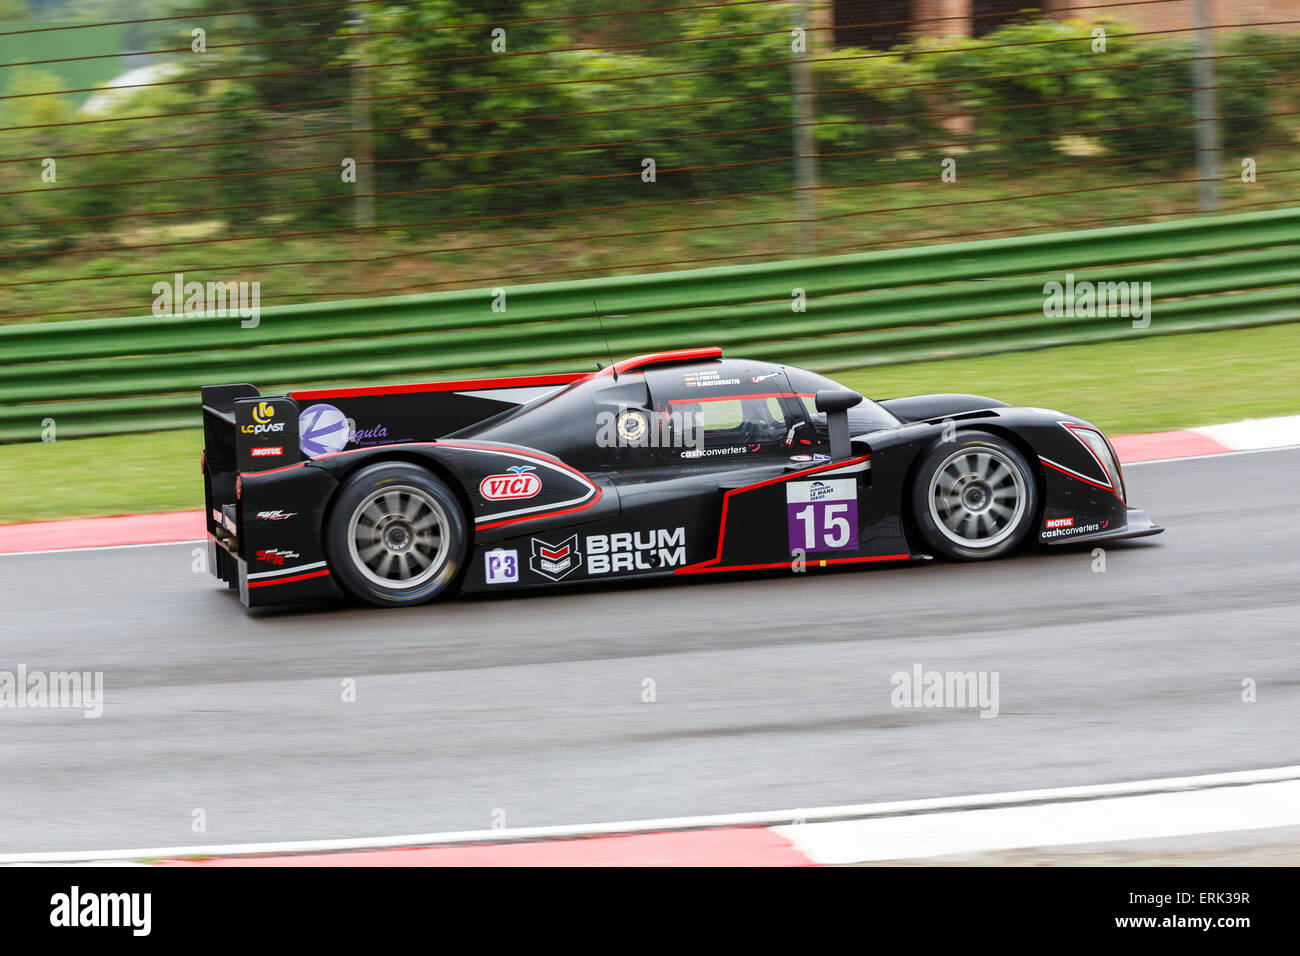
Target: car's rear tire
974,498
396,535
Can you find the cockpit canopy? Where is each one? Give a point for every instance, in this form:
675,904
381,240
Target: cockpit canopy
723,411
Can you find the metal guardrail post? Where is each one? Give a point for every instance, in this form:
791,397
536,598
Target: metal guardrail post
805,147
1207,119
363,208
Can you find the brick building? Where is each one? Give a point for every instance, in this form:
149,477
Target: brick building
881,24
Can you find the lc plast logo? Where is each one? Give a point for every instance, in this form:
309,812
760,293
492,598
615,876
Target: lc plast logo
519,483
263,412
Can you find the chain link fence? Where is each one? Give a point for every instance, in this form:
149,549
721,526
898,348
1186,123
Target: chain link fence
352,150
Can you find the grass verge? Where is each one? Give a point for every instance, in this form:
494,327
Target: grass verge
1125,387
1148,384
119,282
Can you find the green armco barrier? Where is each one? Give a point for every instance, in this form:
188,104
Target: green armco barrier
135,374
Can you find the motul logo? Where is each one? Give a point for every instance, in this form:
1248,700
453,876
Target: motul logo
1060,522
519,483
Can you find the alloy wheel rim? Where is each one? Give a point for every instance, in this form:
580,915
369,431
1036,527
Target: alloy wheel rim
977,497
398,536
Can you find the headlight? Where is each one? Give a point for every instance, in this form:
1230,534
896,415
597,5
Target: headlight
1096,443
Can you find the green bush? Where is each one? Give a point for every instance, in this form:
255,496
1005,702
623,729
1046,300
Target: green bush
482,119
1027,82
881,106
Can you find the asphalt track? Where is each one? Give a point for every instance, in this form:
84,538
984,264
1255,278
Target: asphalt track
770,692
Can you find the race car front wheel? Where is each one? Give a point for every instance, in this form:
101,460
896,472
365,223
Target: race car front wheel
396,535
974,497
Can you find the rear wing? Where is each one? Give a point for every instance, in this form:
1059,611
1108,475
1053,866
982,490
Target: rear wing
242,432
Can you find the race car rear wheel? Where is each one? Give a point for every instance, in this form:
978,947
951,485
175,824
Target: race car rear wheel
396,535
975,497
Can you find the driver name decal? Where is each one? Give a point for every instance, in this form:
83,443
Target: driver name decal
706,378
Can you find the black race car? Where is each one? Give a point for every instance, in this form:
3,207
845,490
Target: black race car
679,463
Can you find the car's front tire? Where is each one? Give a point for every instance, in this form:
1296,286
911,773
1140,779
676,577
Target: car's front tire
975,497
396,535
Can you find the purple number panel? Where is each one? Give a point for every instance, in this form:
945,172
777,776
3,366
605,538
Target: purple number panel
823,515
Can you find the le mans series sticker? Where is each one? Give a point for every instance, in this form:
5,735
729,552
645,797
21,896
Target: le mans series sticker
822,515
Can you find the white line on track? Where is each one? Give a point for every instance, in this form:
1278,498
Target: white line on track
1256,806
1216,454
103,547
897,814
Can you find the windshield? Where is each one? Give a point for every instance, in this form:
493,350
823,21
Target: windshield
865,417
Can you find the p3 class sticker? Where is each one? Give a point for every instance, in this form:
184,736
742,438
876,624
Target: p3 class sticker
632,426
501,566
322,430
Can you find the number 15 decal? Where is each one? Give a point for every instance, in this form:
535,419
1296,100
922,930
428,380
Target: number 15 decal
823,515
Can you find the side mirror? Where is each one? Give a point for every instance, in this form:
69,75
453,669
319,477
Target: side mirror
836,404
837,399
